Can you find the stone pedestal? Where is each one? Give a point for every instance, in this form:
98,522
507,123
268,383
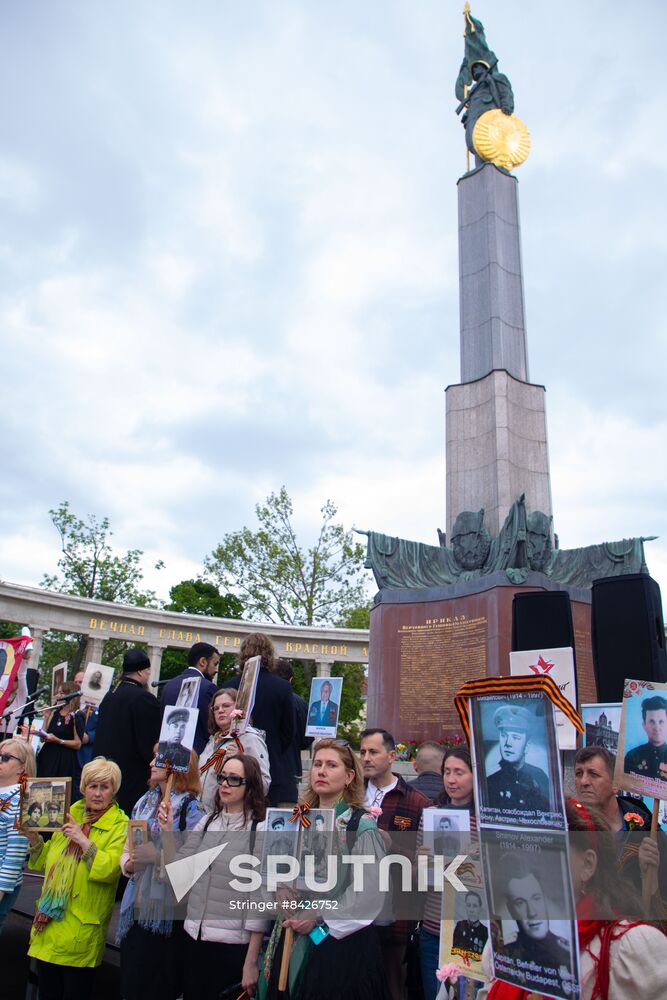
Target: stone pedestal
493,324
496,448
426,643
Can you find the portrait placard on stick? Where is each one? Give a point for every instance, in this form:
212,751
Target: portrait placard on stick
245,700
530,897
96,682
641,761
177,737
463,931
281,837
559,665
324,706
515,752
188,694
58,678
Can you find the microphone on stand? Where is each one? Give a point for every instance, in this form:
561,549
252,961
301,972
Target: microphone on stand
157,684
62,699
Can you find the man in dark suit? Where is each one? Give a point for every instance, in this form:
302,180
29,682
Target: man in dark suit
203,659
128,727
323,712
274,713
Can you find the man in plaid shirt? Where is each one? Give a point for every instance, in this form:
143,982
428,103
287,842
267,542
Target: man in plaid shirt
402,808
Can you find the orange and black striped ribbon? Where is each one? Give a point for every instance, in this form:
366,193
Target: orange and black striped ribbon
509,685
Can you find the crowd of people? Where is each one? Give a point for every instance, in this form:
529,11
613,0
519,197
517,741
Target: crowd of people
224,790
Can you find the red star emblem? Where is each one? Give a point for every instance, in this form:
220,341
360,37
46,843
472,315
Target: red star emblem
542,666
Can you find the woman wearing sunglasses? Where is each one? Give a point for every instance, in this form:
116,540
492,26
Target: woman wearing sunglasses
222,951
346,961
15,759
152,943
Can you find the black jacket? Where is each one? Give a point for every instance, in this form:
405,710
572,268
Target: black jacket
429,783
128,727
274,713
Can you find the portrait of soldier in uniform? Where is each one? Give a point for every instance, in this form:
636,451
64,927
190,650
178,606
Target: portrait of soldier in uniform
535,941
650,759
516,784
177,732
470,935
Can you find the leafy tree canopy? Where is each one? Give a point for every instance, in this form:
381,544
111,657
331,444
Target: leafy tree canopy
199,597
89,568
280,581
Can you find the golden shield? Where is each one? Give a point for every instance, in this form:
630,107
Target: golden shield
501,139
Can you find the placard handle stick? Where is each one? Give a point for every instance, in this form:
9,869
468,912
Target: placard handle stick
650,884
284,965
170,781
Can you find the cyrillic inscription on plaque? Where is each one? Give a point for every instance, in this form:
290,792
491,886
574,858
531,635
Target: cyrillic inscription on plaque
437,657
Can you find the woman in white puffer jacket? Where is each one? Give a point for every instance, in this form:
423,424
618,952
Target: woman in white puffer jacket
219,726
222,951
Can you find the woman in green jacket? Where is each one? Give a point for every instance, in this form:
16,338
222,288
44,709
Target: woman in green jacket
82,865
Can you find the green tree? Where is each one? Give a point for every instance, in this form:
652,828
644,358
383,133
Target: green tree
199,597
280,581
88,567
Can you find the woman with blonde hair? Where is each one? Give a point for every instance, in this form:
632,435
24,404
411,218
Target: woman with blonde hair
222,742
16,760
82,862
348,961
151,942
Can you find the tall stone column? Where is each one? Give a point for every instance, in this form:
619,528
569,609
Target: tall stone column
36,651
496,419
94,650
322,668
155,656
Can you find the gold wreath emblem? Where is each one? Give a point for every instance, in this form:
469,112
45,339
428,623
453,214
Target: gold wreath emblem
501,139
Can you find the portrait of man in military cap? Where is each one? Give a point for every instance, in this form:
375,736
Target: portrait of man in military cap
516,784
515,749
176,738
649,759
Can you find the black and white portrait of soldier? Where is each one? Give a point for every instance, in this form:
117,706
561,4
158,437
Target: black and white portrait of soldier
516,784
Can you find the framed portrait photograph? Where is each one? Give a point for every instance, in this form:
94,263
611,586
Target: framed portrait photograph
188,694
177,737
137,834
447,831
464,930
97,680
516,768
324,706
245,699
602,722
316,846
641,761
280,836
58,678
45,804
530,898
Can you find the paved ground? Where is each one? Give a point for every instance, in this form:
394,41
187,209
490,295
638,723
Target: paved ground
15,975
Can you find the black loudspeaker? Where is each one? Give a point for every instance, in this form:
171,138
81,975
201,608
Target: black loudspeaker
542,620
628,633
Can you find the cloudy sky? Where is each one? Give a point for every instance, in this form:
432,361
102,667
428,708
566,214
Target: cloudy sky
228,261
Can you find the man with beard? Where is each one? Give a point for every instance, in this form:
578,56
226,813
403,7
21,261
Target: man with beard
516,785
203,659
